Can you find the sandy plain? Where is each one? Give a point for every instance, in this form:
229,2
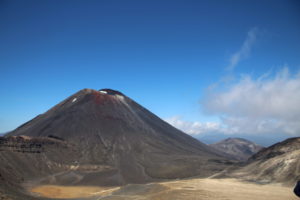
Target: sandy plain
190,189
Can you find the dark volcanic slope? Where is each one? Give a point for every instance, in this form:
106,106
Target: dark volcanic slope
237,148
24,158
277,163
109,140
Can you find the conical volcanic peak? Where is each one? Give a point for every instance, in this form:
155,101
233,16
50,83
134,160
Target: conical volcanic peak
107,128
106,113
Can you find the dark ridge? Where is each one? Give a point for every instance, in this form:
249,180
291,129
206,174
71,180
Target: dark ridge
55,137
279,148
112,92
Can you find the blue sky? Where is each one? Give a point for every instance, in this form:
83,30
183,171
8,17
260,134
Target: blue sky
166,55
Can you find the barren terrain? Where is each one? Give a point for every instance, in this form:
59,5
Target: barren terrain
195,189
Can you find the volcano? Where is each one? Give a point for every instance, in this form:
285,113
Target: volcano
102,138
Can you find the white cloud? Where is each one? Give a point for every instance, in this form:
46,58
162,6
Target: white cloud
245,49
193,128
263,105
266,105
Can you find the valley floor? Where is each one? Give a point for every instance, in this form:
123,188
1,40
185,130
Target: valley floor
191,189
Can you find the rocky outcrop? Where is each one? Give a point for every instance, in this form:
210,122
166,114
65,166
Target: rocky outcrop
26,144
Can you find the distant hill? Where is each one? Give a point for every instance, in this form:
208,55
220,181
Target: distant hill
277,163
264,140
237,148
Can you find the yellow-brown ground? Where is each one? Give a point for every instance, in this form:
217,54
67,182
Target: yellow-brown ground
192,189
68,192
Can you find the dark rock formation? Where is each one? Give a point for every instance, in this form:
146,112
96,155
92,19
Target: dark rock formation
297,189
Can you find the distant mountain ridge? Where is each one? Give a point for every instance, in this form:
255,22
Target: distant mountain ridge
237,148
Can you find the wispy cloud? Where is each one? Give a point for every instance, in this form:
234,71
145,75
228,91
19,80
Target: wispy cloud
245,49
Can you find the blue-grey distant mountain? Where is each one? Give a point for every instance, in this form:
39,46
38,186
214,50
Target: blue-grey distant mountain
261,139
